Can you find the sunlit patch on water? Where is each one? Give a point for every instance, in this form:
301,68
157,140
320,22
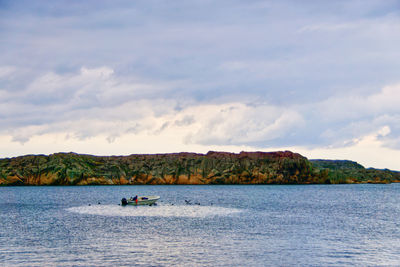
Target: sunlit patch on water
194,211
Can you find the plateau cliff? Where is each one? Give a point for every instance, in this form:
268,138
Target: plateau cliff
283,167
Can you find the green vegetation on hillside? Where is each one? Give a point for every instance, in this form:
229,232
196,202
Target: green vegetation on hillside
345,171
185,168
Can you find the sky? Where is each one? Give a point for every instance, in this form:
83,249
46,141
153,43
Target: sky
320,78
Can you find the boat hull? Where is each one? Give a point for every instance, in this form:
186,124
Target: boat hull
145,200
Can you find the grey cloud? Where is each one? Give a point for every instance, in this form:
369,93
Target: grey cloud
135,129
187,120
324,63
162,128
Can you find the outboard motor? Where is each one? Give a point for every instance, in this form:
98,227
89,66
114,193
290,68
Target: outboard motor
124,202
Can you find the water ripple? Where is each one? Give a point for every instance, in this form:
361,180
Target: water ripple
194,211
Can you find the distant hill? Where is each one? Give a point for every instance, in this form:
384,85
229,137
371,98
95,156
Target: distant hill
282,167
346,171
336,164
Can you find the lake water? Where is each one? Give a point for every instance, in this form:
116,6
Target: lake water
236,225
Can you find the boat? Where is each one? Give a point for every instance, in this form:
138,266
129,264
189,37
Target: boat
143,200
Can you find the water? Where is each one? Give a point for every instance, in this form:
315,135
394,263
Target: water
316,225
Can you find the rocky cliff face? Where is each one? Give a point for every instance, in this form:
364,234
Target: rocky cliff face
180,168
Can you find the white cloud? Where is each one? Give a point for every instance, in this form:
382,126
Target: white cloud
384,131
345,118
95,101
387,100
237,123
329,27
369,150
97,73
6,71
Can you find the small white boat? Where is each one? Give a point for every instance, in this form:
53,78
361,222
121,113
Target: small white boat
144,200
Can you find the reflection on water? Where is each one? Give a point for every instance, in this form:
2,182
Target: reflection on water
194,211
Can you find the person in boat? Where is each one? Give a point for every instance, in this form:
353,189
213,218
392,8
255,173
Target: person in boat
135,198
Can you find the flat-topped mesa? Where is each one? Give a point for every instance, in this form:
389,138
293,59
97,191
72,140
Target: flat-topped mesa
209,154
278,154
281,167
256,155
173,168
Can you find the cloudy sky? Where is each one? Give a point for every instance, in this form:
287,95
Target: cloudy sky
321,78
